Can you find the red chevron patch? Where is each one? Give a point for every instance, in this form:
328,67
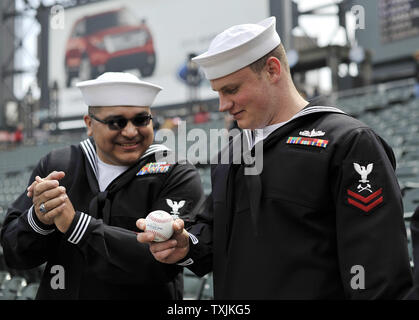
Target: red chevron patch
365,200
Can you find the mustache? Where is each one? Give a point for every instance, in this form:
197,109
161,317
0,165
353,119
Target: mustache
128,141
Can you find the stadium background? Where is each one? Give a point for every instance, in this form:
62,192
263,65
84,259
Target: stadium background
363,55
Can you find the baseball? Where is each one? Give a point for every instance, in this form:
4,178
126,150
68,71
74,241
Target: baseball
160,223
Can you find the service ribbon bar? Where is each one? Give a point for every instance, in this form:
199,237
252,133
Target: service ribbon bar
154,167
321,143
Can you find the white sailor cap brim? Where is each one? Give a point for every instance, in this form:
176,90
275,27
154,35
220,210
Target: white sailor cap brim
118,89
238,47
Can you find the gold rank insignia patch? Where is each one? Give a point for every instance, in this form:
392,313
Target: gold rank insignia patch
154,167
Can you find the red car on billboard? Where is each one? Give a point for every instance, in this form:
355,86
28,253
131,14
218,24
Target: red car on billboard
108,41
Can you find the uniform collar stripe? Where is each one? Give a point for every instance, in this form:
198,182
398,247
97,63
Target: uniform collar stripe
315,109
248,134
153,149
157,147
303,112
90,153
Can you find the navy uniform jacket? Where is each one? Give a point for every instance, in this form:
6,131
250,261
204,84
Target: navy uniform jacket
99,253
323,220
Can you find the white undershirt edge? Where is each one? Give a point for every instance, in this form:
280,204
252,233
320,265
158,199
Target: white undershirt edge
108,173
262,134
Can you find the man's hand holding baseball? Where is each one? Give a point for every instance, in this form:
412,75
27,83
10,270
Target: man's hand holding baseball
170,251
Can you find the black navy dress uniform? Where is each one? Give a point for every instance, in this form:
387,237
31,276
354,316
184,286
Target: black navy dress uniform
99,253
323,220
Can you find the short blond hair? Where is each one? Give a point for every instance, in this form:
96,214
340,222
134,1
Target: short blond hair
278,52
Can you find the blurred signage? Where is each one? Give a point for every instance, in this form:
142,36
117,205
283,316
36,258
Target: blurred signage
398,19
151,39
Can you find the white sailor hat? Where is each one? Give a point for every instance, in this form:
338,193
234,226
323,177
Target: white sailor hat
118,89
237,47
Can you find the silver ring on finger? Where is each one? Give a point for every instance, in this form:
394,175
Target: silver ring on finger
42,208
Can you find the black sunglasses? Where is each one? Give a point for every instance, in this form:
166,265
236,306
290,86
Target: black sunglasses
119,122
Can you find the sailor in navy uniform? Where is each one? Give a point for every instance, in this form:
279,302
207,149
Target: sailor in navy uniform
323,218
111,179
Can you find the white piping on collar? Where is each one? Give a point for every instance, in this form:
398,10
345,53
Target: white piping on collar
249,136
90,152
301,113
315,109
154,148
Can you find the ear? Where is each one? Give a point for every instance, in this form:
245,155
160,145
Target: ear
273,68
88,122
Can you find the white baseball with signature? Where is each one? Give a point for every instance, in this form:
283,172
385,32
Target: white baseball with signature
160,223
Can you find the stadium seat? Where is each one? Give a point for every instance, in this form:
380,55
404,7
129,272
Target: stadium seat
409,241
408,174
208,290
3,265
411,154
3,211
399,94
411,200
412,140
375,102
29,292
398,153
11,289
402,129
4,276
192,285
370,119
32,275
